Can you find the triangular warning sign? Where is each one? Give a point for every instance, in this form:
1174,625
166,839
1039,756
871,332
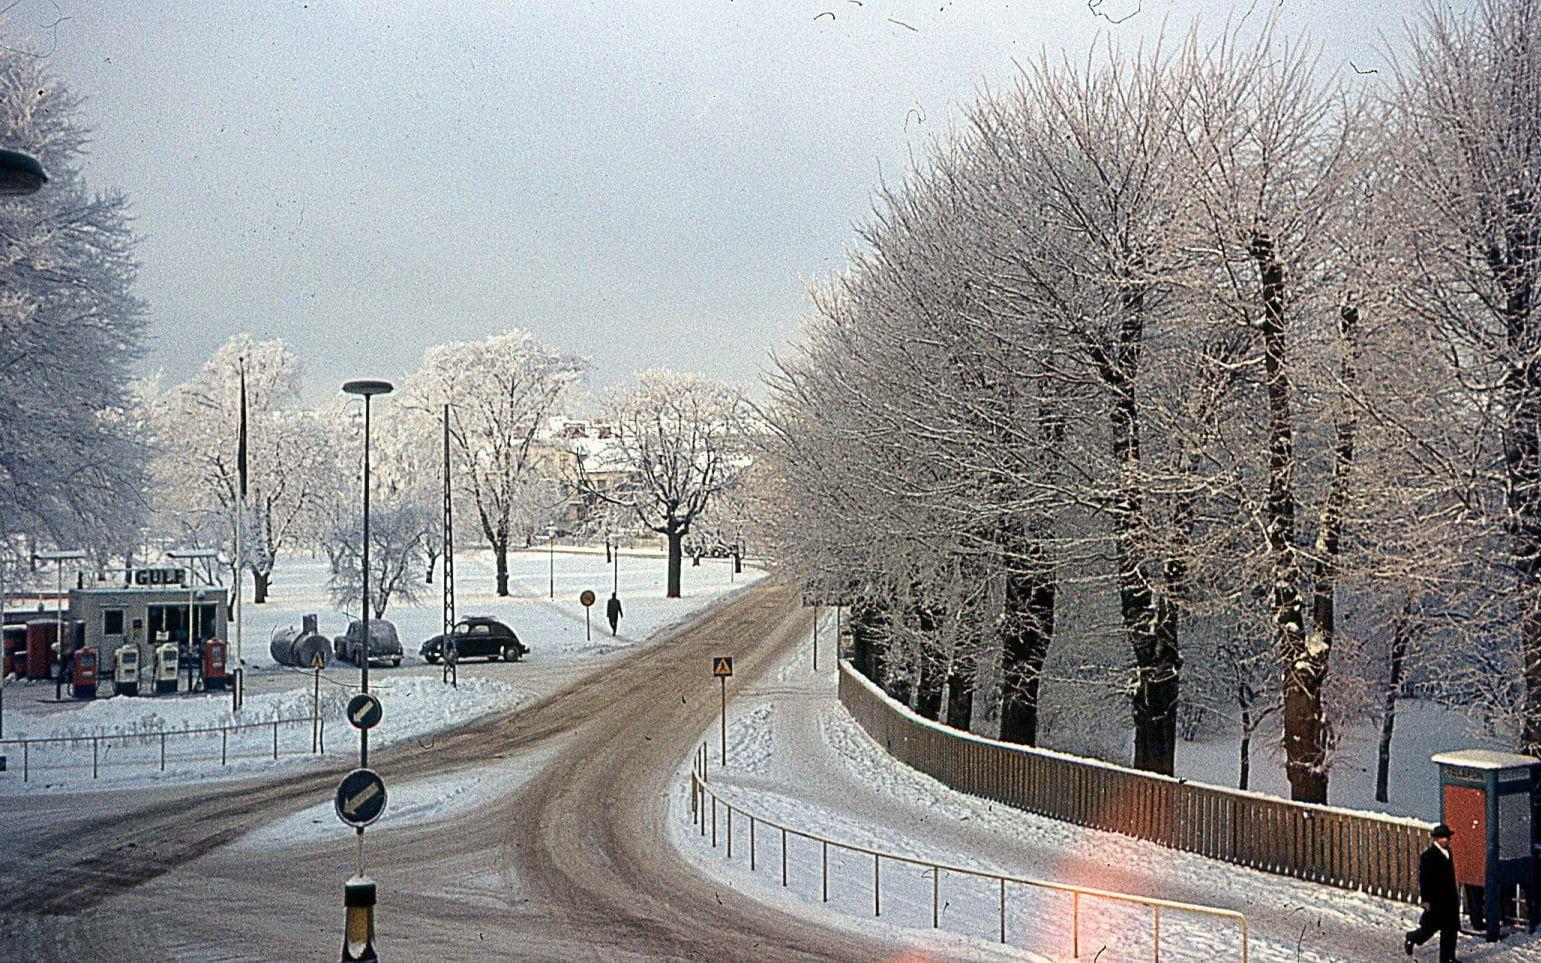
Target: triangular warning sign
722,666
317,661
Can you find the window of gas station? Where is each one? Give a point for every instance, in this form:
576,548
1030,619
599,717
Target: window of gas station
172,620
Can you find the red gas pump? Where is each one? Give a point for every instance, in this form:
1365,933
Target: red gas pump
40,654
214,665
83,684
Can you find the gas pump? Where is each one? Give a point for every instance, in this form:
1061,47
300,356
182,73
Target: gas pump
166,666
125,673
83,683
214,665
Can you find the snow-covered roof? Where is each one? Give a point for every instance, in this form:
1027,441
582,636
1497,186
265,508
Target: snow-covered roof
1484,759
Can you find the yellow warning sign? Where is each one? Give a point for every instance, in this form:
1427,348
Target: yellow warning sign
722,666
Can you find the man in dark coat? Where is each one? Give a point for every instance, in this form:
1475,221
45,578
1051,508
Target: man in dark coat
1441,900
613,612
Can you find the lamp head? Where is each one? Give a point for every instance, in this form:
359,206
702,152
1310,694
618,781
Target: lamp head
367,387
20,174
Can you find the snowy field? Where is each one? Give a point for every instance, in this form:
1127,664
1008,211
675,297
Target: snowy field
795,757
415,700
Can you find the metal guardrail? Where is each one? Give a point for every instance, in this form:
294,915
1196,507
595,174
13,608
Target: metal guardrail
1353,850
701,791
97,740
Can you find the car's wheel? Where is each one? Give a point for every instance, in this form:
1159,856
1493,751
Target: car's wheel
432,657
396,662
511,653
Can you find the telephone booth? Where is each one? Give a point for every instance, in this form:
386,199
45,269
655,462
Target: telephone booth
84,679
1488,798
214,677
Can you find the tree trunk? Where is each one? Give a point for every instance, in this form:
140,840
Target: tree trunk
433,562
1246,749
1514,268
259,586
500,549
1026,630
1303,724
676,557
1401,642
960,694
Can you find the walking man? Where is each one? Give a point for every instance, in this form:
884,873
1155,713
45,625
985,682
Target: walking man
1441,901
613,613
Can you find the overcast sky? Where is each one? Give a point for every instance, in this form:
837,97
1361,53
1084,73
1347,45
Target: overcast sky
647,183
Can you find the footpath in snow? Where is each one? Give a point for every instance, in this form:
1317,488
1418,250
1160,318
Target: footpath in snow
795,757
125,752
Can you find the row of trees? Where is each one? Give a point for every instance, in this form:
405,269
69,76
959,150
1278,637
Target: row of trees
676,443
1198,372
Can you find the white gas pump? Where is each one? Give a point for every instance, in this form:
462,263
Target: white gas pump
125,672
166,667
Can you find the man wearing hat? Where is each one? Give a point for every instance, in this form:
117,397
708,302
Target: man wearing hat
1441,902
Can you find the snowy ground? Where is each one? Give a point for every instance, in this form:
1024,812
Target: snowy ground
795,757
415,700
552,628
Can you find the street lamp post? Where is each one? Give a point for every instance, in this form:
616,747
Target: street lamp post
359,892
367,389
551,552
59,558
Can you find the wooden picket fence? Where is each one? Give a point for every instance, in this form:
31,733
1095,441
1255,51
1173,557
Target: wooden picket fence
1373,853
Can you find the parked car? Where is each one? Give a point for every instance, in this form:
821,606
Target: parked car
384,645
476,636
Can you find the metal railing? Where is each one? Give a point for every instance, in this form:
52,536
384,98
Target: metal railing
98,741
1348,849
701,814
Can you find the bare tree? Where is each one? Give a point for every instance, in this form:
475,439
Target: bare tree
501,392
682,440
196,470
71,469
1469,138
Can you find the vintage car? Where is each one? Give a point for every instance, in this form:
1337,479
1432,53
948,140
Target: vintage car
477,636
384,645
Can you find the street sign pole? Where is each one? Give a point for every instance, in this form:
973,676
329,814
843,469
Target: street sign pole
586,598
815,636
724,721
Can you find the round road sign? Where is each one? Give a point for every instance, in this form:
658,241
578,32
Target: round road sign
587,598
364,711
360,798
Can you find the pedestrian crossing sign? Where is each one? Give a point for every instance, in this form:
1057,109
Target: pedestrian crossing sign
722,666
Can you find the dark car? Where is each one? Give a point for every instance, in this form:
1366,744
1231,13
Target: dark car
477,635
384,645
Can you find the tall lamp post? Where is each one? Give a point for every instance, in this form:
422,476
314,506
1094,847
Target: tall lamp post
59,558
367,389
359,892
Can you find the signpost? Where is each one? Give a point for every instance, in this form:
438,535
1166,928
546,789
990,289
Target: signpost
722,668
364,711
317,660
360,798
587,598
